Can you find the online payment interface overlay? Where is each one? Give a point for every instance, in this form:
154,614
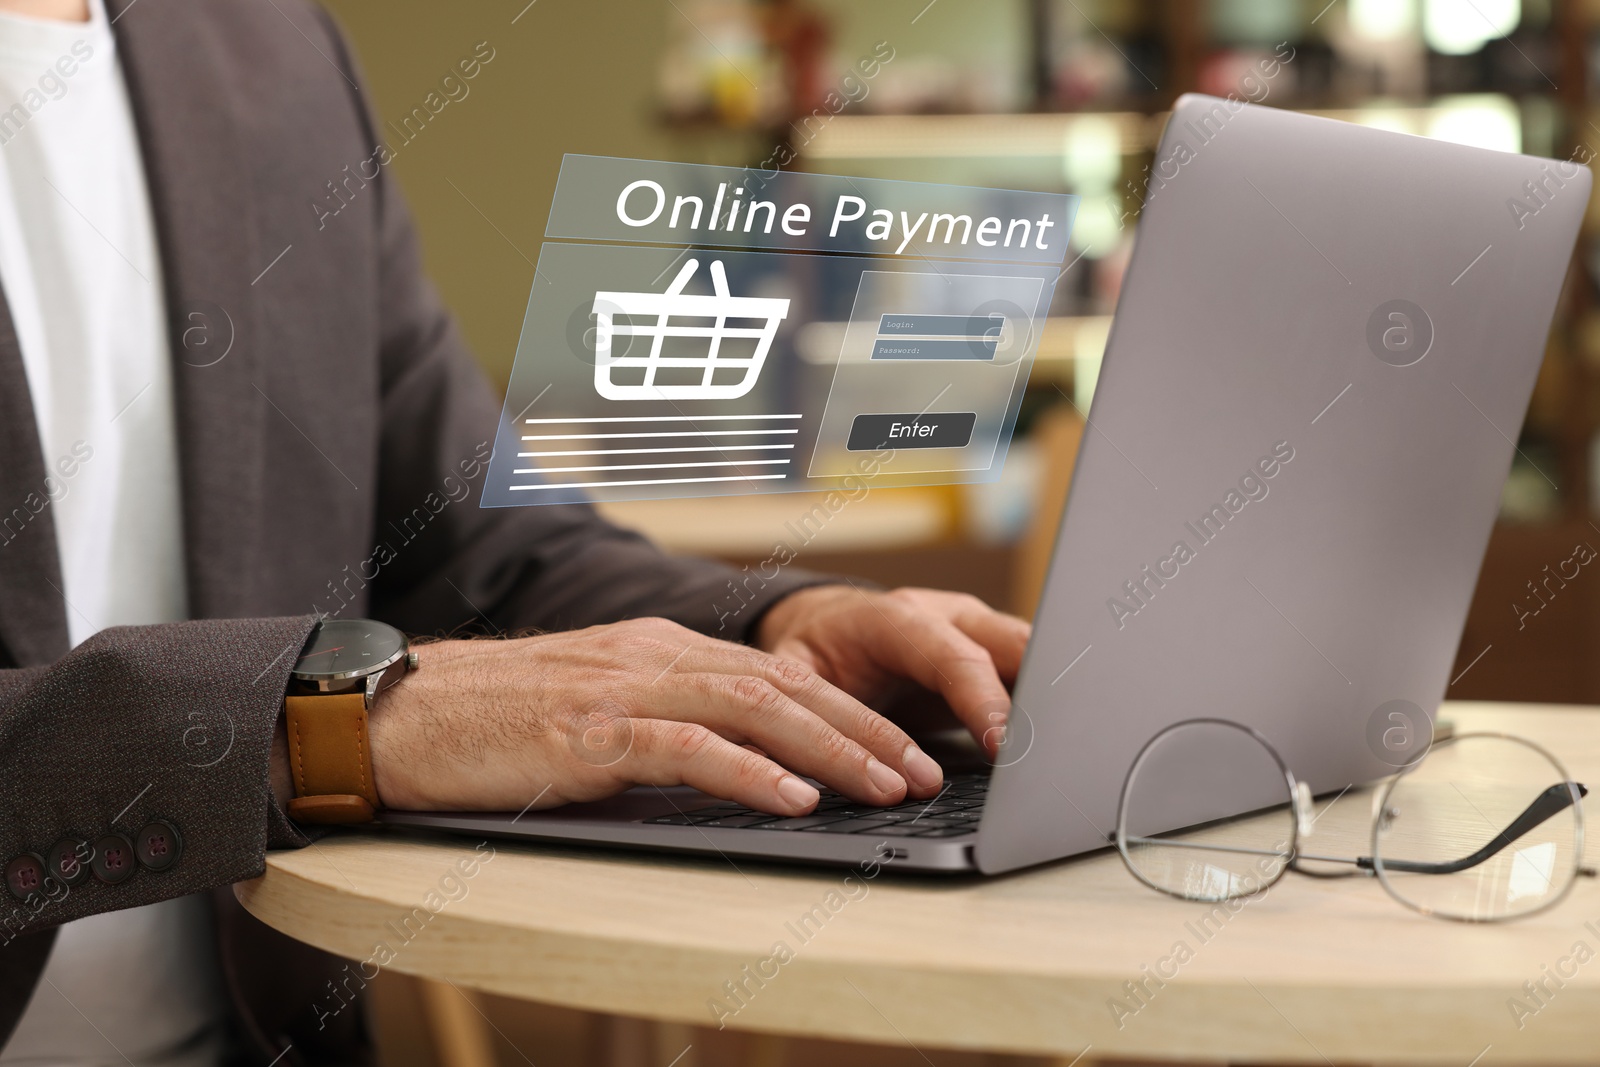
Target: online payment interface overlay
706,331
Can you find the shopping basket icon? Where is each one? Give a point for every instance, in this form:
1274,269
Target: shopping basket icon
750,322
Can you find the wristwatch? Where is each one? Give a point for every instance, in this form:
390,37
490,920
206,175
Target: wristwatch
343,667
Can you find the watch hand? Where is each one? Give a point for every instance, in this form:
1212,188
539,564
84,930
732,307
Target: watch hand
324,652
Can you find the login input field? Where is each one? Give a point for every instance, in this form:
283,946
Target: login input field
931,365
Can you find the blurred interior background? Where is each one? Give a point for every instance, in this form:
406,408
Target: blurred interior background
1057,95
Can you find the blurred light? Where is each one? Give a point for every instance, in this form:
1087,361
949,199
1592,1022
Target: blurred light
1092,162
1460,27
1480,121
1092,154
1256,20
1395,120
1096,229
1531,871
1483,120
1088,350
1382,20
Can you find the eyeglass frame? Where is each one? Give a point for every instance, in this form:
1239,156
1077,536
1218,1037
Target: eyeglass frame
1300,800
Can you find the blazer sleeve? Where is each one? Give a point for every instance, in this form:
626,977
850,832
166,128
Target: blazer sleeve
551,567
140,725
173,724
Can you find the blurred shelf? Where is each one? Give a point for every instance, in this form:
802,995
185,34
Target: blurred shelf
925,136
1052,133
751,526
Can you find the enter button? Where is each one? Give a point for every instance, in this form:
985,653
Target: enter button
947,429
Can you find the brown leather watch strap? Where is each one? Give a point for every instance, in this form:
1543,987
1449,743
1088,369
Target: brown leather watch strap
329,758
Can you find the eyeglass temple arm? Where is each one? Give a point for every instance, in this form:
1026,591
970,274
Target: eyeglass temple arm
1551,802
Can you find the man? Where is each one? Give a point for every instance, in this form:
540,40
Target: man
210,409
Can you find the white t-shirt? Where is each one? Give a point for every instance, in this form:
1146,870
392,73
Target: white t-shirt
82,275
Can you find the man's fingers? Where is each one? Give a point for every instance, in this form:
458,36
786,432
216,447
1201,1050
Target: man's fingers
685,753
1004,636
831,705
747,709
933,652
887,742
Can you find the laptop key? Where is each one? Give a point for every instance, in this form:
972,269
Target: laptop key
947,831
730,821
699,815
846,826
883,814
803,822
850,826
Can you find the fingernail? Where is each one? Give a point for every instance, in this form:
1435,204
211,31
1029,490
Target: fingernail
796,793
886,780
921,767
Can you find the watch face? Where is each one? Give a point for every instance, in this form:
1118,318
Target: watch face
349,648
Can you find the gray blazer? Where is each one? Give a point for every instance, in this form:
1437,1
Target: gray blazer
344,416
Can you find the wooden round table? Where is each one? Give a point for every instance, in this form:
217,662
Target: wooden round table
1060,960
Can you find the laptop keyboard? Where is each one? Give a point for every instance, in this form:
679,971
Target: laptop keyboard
955,811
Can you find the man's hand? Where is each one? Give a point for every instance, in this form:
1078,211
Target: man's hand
540,721
864,642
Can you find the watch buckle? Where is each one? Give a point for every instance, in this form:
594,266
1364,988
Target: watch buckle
331,809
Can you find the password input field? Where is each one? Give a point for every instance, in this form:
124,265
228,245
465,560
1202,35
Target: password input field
944,348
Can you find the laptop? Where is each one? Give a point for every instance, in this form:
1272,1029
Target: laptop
1321,357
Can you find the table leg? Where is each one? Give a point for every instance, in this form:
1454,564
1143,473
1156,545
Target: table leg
460,1031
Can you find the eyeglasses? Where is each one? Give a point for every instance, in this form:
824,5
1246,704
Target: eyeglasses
1487,827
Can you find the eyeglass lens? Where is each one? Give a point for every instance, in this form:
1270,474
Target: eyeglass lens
1484,828
1178,827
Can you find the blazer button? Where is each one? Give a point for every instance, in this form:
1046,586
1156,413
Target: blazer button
25,875
68,861
158,845
113,859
